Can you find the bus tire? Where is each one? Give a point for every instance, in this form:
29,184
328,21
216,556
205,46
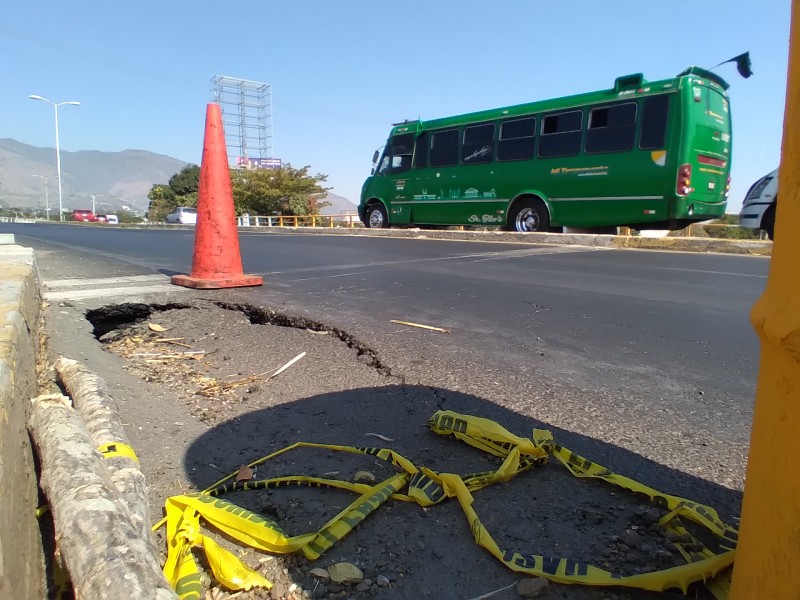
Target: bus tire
768,222
376,217
529,215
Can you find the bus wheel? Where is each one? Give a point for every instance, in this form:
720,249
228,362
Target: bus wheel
768,222
376,217
529,215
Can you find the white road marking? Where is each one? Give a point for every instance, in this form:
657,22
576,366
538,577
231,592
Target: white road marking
115,291
103,281
476,255
535,251
714,272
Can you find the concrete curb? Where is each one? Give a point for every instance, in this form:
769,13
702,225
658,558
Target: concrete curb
21,554
675,244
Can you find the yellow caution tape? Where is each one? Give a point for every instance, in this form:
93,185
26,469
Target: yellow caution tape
114,449
427,488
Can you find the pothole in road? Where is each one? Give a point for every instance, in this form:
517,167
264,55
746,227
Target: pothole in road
109,318
222,358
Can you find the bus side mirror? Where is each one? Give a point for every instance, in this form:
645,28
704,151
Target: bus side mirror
375,157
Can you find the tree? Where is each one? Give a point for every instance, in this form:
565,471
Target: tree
186,181
285,191
180,191
162,201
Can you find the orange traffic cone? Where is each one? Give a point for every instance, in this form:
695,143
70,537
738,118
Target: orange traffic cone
217,262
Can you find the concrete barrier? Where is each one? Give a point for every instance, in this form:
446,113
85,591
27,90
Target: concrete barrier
21,554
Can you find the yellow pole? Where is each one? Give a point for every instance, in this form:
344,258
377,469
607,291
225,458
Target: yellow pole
767,565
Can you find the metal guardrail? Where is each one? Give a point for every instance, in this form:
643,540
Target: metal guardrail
347,220
17,220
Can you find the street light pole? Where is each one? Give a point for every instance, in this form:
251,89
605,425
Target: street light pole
46,197
58,151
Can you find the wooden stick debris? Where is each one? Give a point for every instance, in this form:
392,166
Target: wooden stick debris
431,327
286,366
494,593
175,341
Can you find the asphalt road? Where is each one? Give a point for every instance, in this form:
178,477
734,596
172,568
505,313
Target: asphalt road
642,348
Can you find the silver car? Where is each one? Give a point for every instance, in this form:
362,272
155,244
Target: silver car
183,215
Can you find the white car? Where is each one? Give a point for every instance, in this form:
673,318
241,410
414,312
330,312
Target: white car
183,215
758,208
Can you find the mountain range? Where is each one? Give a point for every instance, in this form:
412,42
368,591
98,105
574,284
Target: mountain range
116,179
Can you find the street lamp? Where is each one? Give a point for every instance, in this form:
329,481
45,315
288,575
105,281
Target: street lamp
58,152
46,197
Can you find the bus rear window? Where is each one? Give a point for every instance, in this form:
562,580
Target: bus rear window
561,134
716,106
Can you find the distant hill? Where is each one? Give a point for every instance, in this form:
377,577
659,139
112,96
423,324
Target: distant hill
116,179
338,205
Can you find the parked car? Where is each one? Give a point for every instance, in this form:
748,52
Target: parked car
758,208
183,215
83,214
110,219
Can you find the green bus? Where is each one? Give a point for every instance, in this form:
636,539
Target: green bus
648,155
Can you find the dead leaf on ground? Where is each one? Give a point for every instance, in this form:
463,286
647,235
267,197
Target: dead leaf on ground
245,474
156,327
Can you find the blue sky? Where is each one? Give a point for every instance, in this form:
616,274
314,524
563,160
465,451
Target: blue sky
342,72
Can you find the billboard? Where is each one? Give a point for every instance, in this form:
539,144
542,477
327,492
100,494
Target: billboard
252,162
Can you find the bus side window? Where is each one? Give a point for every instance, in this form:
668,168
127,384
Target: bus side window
655,110
611,128
517,139
444,148
561,134
421,151
478,145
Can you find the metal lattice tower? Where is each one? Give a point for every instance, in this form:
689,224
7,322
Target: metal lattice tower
247,118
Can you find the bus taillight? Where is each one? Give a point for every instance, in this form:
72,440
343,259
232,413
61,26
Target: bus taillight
684,184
